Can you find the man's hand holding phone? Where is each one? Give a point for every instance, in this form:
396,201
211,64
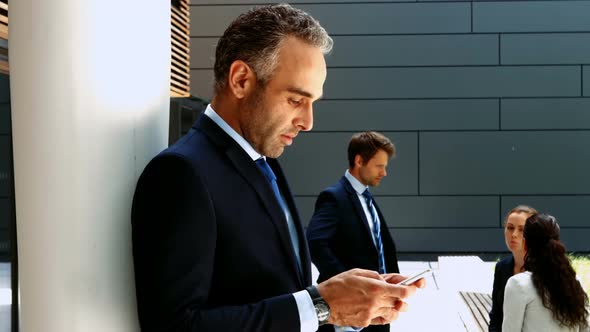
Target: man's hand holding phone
360,297
418,276
414,280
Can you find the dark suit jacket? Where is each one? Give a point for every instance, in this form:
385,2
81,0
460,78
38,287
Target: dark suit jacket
340,238
211,246
503,272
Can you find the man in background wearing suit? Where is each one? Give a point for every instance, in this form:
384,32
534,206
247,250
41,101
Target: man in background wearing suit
347,229
217,240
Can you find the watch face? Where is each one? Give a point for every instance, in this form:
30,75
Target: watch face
323,311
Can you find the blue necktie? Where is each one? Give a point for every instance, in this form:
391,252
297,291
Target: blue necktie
272,179
376,229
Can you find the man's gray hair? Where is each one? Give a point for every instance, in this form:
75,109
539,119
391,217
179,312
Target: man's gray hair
255,37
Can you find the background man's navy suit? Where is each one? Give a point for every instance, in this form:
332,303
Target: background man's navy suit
340,238
211,246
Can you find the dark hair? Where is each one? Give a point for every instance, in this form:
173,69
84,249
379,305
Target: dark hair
520,209
552,273
366,144
255,37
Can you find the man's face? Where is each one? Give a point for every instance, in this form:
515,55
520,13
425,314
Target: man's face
272,116
374,170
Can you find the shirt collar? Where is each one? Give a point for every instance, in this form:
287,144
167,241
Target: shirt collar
355,183
232,133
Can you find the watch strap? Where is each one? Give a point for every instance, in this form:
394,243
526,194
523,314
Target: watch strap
322,308
314,293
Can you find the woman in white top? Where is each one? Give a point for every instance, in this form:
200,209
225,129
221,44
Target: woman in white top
547,297
511,265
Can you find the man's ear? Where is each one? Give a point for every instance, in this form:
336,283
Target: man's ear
358,161
241,79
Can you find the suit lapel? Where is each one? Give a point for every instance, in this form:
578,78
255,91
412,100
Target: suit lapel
358,208
246,167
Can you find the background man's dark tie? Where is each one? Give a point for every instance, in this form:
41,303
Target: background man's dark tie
376,229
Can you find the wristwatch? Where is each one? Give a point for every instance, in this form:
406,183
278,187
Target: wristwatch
322,309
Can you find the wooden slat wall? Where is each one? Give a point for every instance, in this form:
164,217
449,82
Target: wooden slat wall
180,69
4,36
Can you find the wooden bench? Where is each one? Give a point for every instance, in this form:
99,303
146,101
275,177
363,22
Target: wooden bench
480,305
470,280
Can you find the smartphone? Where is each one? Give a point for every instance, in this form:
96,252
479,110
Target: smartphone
415,277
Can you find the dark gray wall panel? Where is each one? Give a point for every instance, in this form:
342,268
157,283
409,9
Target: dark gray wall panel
4,119
440,212
427,212
449,240
202,83
447,82
570,211
317,160
452,82
553,48
586,80
202,51
576,239
546,113
392,115
393,18
211,21
4,167
452,104
509,163
533,16
351,51
369,18
472,240
416,50
4,89
305,205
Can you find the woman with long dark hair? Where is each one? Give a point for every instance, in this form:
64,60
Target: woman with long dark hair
511,265
547,296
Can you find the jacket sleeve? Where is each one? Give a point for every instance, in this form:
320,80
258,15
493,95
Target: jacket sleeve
174,233
321,232
496,312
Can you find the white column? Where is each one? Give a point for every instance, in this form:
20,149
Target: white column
90,98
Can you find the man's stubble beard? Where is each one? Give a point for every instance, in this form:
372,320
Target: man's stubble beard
255,125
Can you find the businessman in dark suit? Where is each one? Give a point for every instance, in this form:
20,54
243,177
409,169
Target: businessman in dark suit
347,229
217,240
